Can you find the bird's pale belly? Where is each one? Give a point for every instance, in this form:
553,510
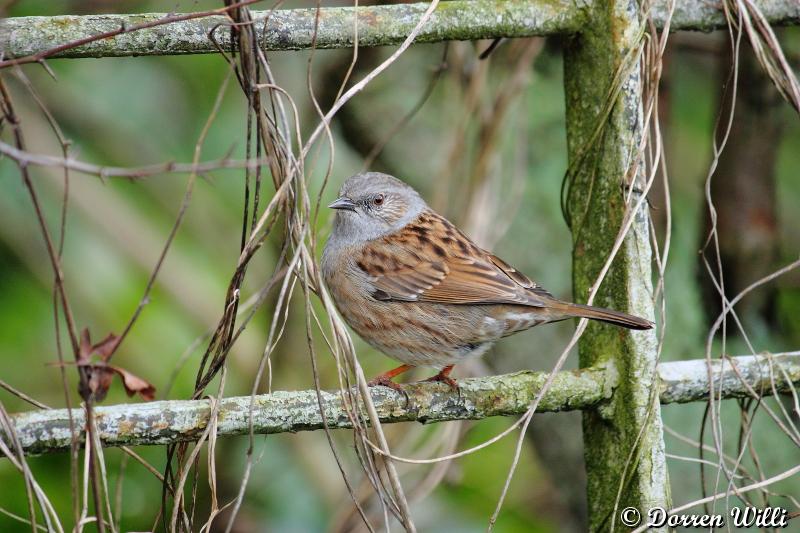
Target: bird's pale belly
427,334
422,335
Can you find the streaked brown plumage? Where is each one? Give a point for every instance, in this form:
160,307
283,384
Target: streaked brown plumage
416,288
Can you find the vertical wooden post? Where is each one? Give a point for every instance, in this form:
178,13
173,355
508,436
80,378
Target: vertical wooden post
623,440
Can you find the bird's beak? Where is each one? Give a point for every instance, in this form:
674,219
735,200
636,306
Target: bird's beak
343,202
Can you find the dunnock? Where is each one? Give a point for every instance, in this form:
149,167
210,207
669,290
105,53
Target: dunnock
416,288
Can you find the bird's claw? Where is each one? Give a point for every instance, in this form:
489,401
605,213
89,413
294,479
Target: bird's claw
447,380
383,381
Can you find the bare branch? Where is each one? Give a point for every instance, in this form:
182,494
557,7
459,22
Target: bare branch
293,29
164,422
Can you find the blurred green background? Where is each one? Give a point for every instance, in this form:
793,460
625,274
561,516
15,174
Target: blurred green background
136,111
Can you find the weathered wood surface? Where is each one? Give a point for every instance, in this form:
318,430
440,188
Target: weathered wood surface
162,422
293,29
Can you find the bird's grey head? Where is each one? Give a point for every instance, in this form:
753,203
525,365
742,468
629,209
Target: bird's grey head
371,205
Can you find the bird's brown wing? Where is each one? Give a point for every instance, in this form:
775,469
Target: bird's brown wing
431,261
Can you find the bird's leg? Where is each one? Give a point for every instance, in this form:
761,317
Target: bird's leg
385,379
444,377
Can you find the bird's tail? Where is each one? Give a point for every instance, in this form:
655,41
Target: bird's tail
606,315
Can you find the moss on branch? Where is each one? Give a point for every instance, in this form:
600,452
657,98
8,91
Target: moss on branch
292,29
164,422
604,132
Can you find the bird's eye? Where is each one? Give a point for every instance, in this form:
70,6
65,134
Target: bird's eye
377,200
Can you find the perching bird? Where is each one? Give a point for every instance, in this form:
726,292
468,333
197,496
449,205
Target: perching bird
416,288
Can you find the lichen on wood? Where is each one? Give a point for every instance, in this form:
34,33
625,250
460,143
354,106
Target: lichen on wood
293,29
687,381
706,16
163,422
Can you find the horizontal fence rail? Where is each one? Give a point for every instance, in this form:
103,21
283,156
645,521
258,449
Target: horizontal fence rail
293,29
163,422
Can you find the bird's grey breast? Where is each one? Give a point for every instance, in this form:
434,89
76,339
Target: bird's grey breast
340,272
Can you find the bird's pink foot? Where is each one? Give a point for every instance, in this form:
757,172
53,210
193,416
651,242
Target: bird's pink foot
385,379
444,377
385,382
